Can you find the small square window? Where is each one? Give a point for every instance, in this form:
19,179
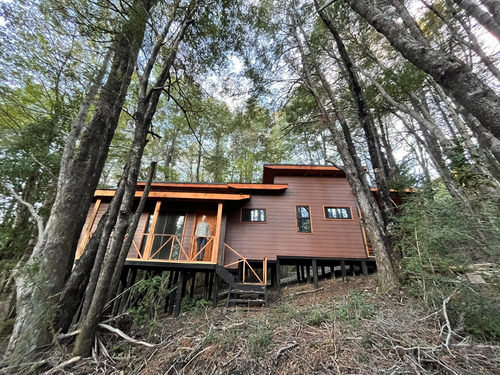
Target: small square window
338,213
303,218
254,215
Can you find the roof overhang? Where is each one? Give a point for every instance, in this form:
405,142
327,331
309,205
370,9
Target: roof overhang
272,170
179,195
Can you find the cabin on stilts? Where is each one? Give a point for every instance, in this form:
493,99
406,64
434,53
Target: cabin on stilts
300,215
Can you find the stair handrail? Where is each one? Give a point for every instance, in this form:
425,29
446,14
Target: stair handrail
245,262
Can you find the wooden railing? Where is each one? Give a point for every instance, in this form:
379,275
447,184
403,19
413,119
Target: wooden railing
176,248
247,266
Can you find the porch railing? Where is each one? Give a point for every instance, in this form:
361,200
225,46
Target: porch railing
246,266
170,247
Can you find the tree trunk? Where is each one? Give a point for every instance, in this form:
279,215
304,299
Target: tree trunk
74,289
372,217
132,227
378,160
43,277
447,70
485,19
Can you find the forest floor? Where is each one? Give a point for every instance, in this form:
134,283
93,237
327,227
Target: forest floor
340,328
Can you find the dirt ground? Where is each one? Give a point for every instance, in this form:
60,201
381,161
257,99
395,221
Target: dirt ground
340,328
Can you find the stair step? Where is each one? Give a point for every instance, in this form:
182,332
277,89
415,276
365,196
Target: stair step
241,288
240,300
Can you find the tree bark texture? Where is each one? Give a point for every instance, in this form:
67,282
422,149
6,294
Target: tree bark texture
372,218
45,272
447,70
143,116
378,160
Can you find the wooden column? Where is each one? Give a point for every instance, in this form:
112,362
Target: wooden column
206,283
364,269
172,296
215,246
215,295
344,273
315,273
88,230
323,272
193,284
181,290
308,272
169,285
298,274
278,276
151,233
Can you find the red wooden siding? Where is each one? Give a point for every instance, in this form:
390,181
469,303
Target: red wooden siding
330,238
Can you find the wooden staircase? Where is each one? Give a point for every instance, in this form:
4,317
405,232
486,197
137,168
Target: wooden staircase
242,291
248,294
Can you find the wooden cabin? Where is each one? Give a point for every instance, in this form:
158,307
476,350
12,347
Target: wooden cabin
299,215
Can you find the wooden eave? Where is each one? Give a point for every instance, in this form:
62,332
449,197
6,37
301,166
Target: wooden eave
261,187
272,170
181,195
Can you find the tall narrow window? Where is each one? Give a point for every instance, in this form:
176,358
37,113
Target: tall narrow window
303,218
336,213
254,215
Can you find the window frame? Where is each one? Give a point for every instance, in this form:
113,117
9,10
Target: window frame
340,218
253,222
297,219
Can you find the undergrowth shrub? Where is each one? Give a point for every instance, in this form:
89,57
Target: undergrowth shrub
149,293
439,240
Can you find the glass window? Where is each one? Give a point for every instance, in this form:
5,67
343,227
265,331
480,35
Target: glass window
254,215
303,217
338,213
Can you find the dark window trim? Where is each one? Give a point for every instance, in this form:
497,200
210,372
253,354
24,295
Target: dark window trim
337,219
254,222
296,219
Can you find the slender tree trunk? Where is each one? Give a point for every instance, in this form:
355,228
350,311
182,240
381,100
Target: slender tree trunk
485,19
43,277
372,217
447,70
378,160
74,289
132,227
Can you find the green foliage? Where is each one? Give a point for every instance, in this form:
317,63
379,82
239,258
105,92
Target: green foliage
194,305
259,337
439,240
150,292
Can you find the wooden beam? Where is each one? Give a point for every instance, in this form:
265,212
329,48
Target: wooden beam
278,276
215,296
88,230
180,195
215,246
315,273
272,187
344,273
151,233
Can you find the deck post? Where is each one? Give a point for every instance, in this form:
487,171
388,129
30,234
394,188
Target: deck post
308,272
278,276
323,273
215,294
215,246
206,284
172,297
344,273
151,233
193,284
364,269
210,284
298,274
181,290
315,273
169,285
